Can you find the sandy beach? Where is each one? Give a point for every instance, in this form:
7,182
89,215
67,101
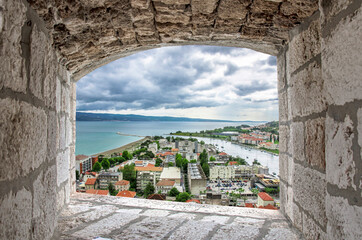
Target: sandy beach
128,146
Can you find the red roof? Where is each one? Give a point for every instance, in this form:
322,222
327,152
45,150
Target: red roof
223,154
168,153
122,182
91,181
194,200
157,197
233,163
126,193
90,173
165,183
80,157
265,196
98,192
269,206
249,205
149,167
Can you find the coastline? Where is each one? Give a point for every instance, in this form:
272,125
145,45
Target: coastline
122,148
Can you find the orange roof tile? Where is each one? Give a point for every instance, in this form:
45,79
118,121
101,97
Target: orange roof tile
165,183
126,193
233,163
249,205
91,181
265,196
194,200
269,206
174,150
223,154
122,182
98,192
168,153
149,167
90,173
157,196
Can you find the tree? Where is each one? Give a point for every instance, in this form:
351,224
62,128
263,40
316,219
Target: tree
170,164
105,164
255,191
149,189
183,197
77,174
193,161
129,173
202,142
97,167
158,162
178,160
255,162
206,169
203,157
173,192
112,190
127,155
212,159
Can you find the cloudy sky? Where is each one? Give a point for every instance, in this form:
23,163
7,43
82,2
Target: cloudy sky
185,81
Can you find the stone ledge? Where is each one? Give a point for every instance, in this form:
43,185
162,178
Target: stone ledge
90,216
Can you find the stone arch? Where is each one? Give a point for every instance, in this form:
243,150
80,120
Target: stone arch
47,45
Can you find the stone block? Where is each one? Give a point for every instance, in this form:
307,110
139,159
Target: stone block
297,140
283,106
142,4
53,135
306,92
344,220
297,217
229,9
23,138
283,166
315,143
65,99
341,59
69,132
45,204
15,215
283,196
38,61
62,133
309,189
359,129
311,230
12,62
282,81
60,199
284,135
304,46
289,203
58,94
331,8
63,167
341,168
204,7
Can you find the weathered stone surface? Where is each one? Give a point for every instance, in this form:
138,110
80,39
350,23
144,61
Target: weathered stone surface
344,220
331,8
90,216
312,230
284,136
12,62
23,138
62,133
341,167
63,167
342,46
298,141
306,93
309,189
283,106
359,129
15,215
310,39
82,33
315,143
281,233
283,166
52,135
44,204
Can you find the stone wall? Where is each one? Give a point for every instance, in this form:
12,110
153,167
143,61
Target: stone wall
320,104
36,135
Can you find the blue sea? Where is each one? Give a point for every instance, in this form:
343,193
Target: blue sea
99,136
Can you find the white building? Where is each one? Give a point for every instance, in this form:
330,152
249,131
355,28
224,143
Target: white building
197,179
222,172
172,174
165,186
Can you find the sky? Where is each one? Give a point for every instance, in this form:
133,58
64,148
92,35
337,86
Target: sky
209,82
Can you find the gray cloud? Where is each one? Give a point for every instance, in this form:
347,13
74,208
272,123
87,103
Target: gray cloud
173,77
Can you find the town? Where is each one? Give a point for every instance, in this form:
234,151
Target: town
177,169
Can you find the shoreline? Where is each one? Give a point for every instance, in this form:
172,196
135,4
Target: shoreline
122,148
237,143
